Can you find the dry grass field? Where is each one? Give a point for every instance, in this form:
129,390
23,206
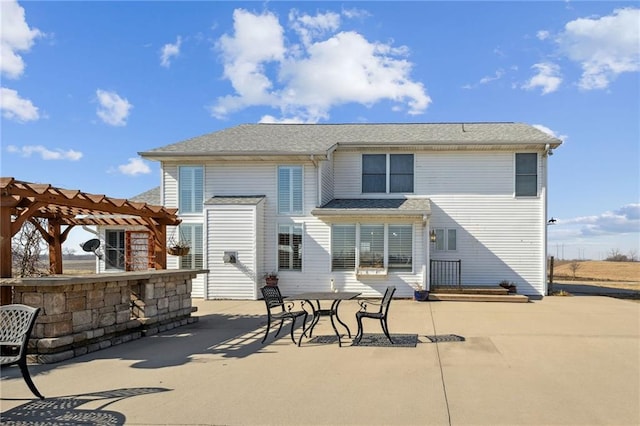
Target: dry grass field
594,270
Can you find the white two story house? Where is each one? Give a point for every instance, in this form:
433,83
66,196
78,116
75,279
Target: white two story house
357,207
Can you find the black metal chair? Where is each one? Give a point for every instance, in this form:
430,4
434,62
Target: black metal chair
381,314
16,323
277,309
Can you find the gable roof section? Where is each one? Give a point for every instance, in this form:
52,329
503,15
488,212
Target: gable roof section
373,207
319,139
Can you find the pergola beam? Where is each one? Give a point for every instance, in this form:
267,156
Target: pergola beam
21,201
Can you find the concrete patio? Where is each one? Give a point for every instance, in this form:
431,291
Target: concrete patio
557,361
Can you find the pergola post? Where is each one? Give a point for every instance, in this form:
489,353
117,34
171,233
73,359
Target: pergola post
160,243
5,252
55,248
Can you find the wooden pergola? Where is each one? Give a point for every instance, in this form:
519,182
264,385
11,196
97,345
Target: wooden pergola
24,201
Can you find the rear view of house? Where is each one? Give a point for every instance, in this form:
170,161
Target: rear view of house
360,206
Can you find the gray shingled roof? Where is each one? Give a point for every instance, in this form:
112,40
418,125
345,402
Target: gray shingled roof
151,196
274,139
375,206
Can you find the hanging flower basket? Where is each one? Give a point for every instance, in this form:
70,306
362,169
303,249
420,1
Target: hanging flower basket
178,251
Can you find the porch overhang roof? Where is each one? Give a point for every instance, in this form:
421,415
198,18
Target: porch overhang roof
375,207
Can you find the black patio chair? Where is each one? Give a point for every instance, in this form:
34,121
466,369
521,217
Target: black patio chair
381,314
16,323
277,309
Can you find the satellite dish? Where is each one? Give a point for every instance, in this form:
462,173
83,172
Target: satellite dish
92,246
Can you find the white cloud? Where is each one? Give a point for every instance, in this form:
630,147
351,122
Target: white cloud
112,109
45,153
135,166
604,47
543,34
550,132
621,221
548,78
486,79
304,81
310,27
16,108
169,51
16,36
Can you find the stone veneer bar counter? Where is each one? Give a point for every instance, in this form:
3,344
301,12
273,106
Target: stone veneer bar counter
86,313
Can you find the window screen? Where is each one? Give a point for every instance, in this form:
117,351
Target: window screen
192,233
191,189
290,247
372,246
374,173
526,174
401,173
400,247
290,189
114,250
343,247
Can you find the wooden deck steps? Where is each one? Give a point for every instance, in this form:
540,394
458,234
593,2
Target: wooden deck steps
476,294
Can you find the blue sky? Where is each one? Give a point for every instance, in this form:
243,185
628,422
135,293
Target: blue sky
87,85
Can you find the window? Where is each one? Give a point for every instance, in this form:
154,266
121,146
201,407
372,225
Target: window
343,247
369,245
290,247
192,233
400,247
526,175
446,240
114,250
191,189
387,173
290,189
401,173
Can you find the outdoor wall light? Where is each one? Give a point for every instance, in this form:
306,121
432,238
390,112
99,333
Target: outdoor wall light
432,236
230,257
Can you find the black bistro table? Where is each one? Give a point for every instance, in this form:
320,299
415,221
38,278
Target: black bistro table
315,297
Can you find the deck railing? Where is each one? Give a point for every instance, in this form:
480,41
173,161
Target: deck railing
446,273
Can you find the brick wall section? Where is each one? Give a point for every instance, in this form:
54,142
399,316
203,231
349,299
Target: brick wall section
89,313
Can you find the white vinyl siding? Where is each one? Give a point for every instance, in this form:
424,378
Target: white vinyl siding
238,229
498,238
290,194
191,189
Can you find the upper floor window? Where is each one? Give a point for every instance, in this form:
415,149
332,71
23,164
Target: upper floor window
290,190
190,189
526,174
192,233
290,247
387,173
